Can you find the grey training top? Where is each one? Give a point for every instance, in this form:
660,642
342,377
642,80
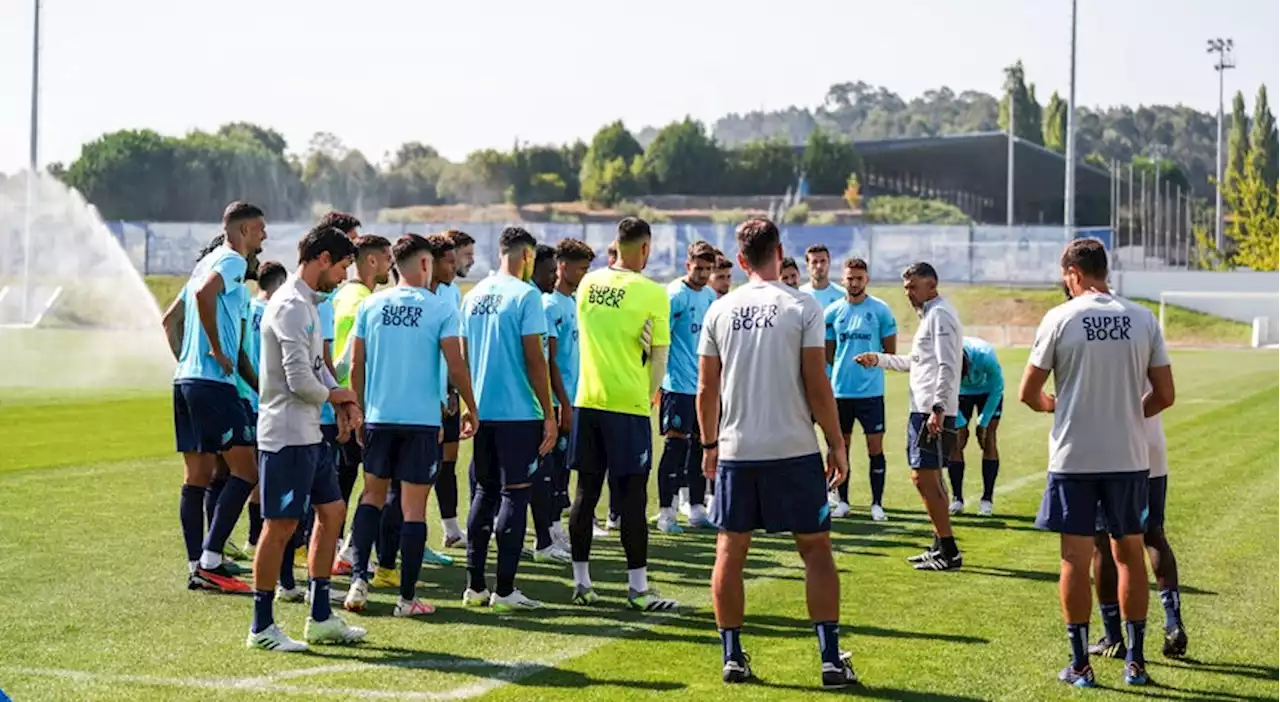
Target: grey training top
757,331
294,381
1099,348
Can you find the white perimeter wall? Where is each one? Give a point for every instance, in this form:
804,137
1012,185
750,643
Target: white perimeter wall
1149,284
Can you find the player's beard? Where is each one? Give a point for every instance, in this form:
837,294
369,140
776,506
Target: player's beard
1067,291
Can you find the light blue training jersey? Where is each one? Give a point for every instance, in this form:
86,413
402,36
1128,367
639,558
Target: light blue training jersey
825,297
451,297
402,328
857,329
195,361
562,321
688,308
325,309
498,312
251,344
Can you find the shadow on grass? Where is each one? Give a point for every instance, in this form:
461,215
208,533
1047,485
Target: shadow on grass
864,691
1052,577
531,675
1244,670
1157,691
776,625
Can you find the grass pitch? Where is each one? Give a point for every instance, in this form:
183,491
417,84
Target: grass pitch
95,608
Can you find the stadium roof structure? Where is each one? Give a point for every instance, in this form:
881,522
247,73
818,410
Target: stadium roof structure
970,170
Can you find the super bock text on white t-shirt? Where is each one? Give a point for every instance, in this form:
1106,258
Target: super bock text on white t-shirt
753,317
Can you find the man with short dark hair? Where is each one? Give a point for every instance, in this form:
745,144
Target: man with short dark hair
396,377
205,325
934,367
542,504
464,246
790,273
444,270
766,340
503,326
294,384
860,323
623,317
721,276
817,259
1104,352
573,260
689,300
981,393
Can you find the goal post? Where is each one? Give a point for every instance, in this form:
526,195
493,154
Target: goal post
1257,309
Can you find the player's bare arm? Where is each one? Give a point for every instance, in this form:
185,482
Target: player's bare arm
175,319
1031,390
460,379
536,365
557,384
1162,394
709,411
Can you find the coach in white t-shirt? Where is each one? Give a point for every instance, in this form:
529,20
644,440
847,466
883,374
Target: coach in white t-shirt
1102,350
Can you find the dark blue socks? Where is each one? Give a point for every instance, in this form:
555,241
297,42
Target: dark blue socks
1079,636
321,610
484,502
389,534
1137,631
990,469
447,489
542,503
955,469
413,543
877,474
262,618
230,504
512,520
191,514
1111,623
671,469
1172,601
731,640
828,641
364,529
255,523
211,495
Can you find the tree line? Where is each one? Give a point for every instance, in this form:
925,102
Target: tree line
142,175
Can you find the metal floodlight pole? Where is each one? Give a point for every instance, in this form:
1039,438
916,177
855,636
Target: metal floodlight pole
1226,61
1008,193
33,162
1069,194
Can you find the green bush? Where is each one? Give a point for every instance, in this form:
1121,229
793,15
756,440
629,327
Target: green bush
901,209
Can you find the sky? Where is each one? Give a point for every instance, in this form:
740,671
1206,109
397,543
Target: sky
483,73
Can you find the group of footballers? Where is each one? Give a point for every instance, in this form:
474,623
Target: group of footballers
367,356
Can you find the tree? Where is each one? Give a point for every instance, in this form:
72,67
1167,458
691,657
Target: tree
683,160
1055,124
764,167
607,174
269,139
1262,141
1237,139
1026,111
827,162
903,209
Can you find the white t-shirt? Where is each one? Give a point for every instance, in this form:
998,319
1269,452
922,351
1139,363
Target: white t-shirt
1099,349
757,331
1157,456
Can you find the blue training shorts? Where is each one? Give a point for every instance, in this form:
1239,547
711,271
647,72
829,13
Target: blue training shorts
787,495
207,416
402,452
294,478
974,404
935,454
613,442
1077,504
679,413
867,411
506,453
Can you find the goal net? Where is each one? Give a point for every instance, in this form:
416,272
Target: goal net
1257,315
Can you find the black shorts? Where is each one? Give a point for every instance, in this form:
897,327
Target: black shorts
1079,504
208,416
679,413
867,411
506,453
788,495
617,443
936,455
406,453
452,426
973,404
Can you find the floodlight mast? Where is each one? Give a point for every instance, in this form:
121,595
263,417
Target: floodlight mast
1226,61
33,161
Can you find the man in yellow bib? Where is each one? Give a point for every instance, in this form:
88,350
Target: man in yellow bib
623,320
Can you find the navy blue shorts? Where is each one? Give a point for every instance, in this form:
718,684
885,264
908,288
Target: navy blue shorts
616,443
1078,504
973,404
867,411
1157,493
294,478
452,426
506,453
784,495
207,416
679,413
248,433
402,452
936,455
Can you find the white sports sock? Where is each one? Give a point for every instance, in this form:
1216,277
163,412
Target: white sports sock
581,574
638,579
667,513
451,526
210,560
193,565
684,495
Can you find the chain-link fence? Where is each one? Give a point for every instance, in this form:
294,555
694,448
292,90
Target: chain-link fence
963,254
